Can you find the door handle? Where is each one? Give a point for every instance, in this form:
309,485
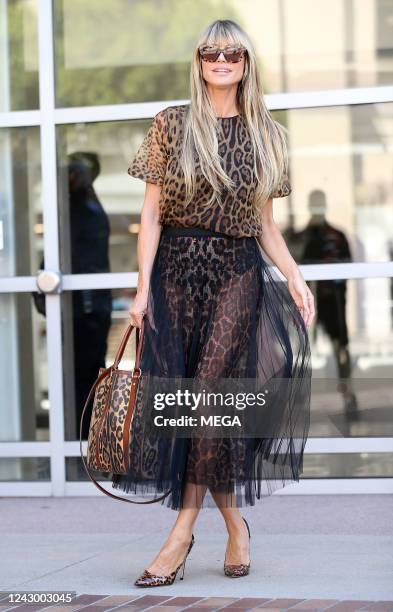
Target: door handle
49,281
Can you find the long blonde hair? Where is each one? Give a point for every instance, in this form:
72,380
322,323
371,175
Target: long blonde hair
268,137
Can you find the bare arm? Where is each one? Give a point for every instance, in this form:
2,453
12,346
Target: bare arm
274,244
275,247
147,245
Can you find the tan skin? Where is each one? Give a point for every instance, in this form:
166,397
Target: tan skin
222,89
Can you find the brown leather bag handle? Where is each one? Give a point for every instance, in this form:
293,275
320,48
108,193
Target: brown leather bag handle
139,344
106,372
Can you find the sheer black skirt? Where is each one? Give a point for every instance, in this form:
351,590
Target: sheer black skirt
217,310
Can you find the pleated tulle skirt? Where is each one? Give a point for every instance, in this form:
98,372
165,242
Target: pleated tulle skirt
217,311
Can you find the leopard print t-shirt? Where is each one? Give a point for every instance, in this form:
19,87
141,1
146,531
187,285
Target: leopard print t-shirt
157,161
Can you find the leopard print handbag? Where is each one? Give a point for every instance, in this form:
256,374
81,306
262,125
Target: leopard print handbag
115,393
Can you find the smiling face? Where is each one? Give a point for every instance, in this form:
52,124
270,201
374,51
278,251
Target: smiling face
221,72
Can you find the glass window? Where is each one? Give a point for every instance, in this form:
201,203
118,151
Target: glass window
316,465
76,471
341,205
352,330
352,357
94,322
24,406
24,469
100,204
18,55
347,465
109,53
21,222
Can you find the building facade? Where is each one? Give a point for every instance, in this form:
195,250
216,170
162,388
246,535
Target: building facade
80,81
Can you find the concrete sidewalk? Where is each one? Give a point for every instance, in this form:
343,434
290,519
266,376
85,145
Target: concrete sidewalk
324,547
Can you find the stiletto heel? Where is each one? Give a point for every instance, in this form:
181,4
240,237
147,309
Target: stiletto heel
183,567
147,579
241,569
248,528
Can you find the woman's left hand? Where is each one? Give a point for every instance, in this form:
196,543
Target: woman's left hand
302,296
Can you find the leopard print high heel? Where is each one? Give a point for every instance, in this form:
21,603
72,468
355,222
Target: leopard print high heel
240,569
147,579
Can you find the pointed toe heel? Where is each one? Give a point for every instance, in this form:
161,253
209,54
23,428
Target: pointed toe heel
240,569
147,579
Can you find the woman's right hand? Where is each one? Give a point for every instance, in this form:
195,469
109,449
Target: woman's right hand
138,309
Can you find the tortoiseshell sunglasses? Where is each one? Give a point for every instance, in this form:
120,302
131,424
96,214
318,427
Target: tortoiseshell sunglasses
231,54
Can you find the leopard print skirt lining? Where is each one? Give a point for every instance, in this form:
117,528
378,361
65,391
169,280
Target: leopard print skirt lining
217,310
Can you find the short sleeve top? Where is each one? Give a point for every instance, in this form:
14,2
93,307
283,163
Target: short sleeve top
158,161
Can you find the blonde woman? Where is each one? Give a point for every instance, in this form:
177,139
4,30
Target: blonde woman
211,306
